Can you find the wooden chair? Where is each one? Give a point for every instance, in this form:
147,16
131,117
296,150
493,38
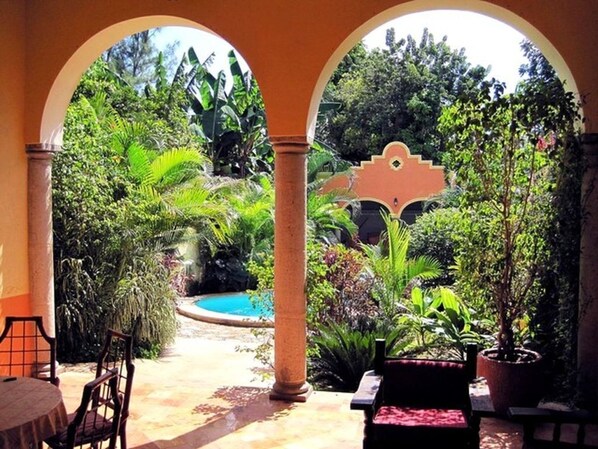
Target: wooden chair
97,419
536,419
418,402
27,350
117,354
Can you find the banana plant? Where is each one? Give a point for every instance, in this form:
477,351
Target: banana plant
231,121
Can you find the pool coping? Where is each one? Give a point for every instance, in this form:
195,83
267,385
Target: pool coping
186,307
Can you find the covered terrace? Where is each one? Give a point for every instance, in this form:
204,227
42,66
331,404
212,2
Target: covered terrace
292,47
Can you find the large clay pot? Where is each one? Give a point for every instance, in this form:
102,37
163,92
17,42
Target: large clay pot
512,384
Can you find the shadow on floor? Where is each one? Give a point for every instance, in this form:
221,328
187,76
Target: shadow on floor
244,405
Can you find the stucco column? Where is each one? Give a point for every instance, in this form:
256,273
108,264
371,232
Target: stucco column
41,259
587,336
290,181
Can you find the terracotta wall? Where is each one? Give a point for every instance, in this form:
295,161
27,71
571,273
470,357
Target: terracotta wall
394,179
13,162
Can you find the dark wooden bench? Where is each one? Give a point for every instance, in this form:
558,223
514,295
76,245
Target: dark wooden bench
533,418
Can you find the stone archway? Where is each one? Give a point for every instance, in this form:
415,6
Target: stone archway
481,7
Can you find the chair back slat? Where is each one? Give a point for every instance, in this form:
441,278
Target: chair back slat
26,349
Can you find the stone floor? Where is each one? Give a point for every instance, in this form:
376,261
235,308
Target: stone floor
204,393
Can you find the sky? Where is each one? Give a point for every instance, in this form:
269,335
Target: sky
487,42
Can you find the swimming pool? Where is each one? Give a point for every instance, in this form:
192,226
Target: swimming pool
235,309
233,304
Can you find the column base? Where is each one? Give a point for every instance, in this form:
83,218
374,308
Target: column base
301,394
42,370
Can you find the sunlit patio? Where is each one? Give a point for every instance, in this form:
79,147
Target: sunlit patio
205,393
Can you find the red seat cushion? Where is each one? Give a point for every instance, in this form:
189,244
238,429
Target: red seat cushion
412,417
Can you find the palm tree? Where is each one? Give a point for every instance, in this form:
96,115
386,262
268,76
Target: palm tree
395,272
327,213
253,227
176,183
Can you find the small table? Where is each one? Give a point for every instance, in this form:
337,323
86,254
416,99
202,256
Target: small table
31,410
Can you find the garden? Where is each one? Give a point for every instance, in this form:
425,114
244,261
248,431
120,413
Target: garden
164,188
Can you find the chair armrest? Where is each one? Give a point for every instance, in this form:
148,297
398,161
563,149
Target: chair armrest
479,395
365,396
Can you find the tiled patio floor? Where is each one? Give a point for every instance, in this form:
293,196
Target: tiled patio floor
205,394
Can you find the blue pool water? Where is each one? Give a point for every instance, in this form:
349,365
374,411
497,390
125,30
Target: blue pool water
233,304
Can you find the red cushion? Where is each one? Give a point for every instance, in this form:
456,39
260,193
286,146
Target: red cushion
411,417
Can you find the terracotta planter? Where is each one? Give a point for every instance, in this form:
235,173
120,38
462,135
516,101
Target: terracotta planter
512,384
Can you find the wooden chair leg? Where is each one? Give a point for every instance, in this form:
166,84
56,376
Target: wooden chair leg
123,437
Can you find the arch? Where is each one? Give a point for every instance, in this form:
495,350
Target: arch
68,78
412,210
477,6
369,220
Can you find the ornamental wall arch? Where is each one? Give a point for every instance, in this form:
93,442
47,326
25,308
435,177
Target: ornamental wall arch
395,179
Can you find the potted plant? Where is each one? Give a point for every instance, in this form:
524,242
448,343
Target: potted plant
503,148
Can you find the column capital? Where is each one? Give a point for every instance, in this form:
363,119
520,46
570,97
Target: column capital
290,144
41,150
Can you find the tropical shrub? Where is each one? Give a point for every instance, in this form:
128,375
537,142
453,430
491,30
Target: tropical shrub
351,301
395,274
439,322
342,354
434,234
503,150
101,224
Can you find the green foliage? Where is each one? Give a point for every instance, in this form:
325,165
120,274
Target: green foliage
434,234
395,273
438,319
397,94
555,318
143,302
253,228
120,196
342,354
504,150
231,123
98,215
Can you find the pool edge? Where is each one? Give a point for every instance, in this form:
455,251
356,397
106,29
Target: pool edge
187,308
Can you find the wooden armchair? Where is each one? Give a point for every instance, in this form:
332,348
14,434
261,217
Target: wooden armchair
27,350
96,422
418,402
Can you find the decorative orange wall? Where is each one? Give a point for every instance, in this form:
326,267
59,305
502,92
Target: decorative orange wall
13,162
396,178
14,306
